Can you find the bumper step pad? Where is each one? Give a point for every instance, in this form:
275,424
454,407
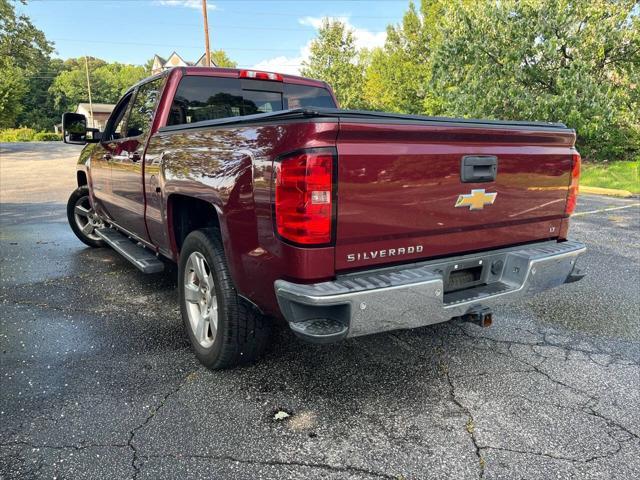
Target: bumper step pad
320,330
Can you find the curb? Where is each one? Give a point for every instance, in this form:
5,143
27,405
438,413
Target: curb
606,191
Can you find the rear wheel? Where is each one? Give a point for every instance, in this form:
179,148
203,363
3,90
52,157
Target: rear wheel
83,219
224,329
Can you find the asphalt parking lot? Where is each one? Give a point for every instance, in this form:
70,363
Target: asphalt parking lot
97,379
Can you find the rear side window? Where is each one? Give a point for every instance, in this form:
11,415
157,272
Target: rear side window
201,98
303,96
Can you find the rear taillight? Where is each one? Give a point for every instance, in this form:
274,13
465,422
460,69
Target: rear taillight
572,197
304,197
274,77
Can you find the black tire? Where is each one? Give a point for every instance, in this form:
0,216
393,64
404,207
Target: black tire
81,196
242,332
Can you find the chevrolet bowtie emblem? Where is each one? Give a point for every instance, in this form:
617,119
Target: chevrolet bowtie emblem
476,200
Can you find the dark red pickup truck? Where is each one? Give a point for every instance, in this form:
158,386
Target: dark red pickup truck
275,203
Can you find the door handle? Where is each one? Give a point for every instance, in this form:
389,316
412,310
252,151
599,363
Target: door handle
478,168
134,156
106,156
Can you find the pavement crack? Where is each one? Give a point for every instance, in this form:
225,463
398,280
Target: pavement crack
279,463
470,425
491,373
537,367
585,394
35,446
545,342
152,413
556,457
590,411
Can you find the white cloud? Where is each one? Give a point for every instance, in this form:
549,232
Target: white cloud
316,22
291,65
363,38
186,3
282,64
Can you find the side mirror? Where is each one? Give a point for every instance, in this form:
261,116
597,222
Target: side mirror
74,128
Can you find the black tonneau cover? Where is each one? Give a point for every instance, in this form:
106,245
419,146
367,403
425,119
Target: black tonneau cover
362,115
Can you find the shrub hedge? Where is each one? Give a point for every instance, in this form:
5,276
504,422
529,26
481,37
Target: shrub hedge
28,135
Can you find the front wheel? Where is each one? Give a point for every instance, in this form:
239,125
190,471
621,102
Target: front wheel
83,219
224,329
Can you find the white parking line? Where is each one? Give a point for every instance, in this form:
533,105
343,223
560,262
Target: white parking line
605,210
601,197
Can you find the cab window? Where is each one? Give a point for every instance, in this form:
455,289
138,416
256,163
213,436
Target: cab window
143,108
117,120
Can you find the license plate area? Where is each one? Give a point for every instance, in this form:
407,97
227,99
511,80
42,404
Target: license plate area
464,275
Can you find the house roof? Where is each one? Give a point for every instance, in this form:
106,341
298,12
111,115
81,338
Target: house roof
97,107
168,63
174,60
200,62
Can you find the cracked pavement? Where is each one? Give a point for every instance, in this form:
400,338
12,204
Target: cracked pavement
98,380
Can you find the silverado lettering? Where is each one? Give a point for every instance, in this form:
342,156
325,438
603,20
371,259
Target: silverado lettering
277,205
391,252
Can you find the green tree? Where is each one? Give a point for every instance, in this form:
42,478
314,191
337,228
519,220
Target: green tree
398,76
220,58
21,41
24,62
574,61
108,82
335,59
13,87
39,110
148,66
116,78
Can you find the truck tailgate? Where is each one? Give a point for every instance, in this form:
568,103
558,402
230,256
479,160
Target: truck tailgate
399,183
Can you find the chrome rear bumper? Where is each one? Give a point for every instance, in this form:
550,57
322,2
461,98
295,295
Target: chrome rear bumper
411,296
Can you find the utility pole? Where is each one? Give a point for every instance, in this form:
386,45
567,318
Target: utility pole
207,51
86,68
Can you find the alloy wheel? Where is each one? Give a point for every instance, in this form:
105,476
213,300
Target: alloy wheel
201,300
86,218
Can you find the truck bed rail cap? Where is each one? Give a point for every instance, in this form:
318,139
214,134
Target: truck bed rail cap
336,113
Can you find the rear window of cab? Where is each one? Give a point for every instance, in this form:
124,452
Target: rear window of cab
201,98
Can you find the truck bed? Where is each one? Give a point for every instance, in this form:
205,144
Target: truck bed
399,177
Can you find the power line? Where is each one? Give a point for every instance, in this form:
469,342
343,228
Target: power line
242,65
75,40
301,28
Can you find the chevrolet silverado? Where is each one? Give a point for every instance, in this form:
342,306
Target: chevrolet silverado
274,204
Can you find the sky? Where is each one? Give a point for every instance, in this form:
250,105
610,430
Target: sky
267,35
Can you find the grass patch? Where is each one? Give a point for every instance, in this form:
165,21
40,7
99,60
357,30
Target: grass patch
619,175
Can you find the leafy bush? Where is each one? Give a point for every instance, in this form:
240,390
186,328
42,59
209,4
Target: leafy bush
17,135
47,137
574,62
28,135
570,61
